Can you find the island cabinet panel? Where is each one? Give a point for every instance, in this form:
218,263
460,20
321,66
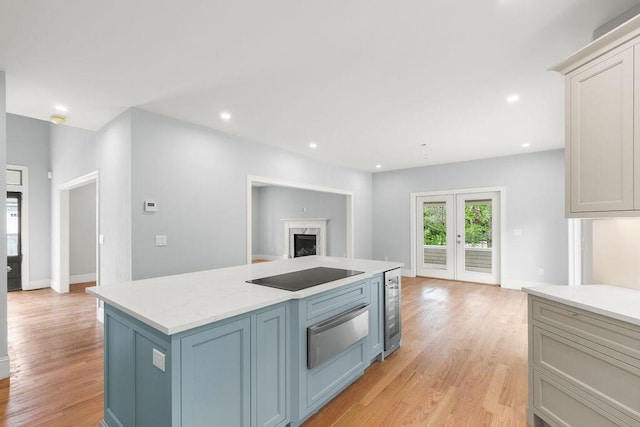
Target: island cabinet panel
137,393
376,320
584,367
216,376
271,367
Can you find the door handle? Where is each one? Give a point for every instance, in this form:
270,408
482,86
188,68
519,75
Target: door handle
9,269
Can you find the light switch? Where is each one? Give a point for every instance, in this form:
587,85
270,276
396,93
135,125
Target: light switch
158,359
101,239
517,232
161,240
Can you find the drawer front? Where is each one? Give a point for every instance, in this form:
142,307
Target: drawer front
561,406
620,336
333,302
611,380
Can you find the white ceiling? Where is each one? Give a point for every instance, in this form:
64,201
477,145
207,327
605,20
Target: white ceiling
369,81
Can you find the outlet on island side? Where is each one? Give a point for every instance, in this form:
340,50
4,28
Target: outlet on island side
158,359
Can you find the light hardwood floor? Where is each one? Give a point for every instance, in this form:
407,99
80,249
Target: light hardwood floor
55,346
462,363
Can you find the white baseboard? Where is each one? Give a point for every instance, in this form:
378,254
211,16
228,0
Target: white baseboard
82,278
407,272
37,284
519,284
267,257
5,367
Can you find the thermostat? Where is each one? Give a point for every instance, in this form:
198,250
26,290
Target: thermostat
150,206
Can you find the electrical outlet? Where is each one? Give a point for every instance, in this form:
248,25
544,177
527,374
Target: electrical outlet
540,271
158,359
161,240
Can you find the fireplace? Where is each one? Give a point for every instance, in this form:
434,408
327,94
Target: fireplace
304,237
304,245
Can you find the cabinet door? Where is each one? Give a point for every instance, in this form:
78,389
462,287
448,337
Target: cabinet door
601,130
376,317
271,367
216,376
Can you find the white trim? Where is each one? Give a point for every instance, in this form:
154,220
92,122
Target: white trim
317,226
519,284
575,251
4,367
60,282
37,284
502,190
24,222
82,278
407,272
350,231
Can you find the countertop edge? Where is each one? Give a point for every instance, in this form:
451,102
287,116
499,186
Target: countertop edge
169,329
603,309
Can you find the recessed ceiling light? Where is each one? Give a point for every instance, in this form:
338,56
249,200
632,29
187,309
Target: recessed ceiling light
225,115
378,166
513,98
313,145
526,145
62,108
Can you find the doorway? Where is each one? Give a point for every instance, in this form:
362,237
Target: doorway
459,236
14,241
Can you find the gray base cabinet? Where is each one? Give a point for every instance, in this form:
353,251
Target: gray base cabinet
584,368
249,370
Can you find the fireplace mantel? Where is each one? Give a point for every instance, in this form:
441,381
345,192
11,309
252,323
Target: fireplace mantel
317,226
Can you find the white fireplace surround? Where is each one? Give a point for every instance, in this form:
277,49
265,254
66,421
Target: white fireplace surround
317,226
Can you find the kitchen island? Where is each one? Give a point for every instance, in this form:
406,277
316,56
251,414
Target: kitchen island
207,348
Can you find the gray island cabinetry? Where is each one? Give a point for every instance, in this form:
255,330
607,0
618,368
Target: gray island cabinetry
584,356
240,360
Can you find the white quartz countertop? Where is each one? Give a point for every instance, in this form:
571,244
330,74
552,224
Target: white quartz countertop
174,304
612,301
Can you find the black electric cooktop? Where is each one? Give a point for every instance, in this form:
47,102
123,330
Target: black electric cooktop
304,279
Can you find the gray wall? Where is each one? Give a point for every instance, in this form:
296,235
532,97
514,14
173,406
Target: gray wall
82,231
535,205
198,176
28,145
4,365
73,154
113,154
276,203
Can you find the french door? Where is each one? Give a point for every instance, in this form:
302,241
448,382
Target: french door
459,236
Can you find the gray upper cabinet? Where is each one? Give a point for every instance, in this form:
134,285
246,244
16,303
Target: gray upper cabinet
602,149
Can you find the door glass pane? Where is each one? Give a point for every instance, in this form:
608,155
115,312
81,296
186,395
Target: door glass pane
478,245
13,226
434,218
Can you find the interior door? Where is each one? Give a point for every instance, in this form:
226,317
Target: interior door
14,241
477,238
436,243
